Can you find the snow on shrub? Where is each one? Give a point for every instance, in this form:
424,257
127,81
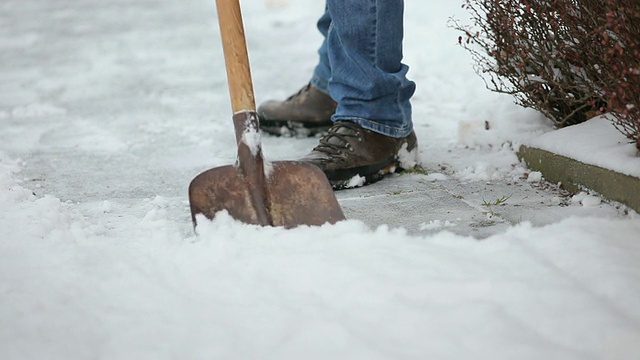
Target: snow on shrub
569,59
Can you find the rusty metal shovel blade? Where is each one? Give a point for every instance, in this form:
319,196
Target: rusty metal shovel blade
282,193
295,194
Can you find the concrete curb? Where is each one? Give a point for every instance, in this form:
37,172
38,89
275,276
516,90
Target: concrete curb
575,175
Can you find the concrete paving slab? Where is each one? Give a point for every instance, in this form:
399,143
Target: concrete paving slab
479,209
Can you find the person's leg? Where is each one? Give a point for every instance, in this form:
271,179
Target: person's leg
322,72
308,111
372,134
368,79
361,67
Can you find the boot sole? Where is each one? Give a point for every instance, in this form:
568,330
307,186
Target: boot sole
407,159
359,181
292,128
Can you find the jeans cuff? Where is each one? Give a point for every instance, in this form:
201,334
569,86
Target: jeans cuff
375,126
320,83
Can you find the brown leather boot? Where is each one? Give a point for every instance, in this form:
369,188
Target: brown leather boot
305,113
352,156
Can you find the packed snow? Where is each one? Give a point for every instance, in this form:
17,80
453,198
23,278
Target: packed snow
109,109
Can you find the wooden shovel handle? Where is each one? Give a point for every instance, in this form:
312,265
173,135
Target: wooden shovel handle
236,57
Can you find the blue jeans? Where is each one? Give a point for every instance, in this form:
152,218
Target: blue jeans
361,65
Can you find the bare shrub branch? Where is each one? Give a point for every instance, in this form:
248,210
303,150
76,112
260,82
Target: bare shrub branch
569,59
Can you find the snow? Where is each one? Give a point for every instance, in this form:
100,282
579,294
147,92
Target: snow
356,181
437,225
534,176
585,199
408,159
109,109
251,134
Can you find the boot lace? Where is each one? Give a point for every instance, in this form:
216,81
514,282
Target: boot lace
336,141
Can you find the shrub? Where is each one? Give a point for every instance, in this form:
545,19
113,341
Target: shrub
569,59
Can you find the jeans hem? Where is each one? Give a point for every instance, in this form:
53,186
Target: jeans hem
320,83
376,126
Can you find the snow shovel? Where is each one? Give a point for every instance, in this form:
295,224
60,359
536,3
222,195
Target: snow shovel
281,193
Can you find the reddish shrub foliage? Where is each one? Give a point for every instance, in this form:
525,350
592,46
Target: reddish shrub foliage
569,59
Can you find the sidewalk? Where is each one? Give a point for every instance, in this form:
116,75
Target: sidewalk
479,209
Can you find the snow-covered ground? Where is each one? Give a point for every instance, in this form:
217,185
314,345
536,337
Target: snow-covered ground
109,108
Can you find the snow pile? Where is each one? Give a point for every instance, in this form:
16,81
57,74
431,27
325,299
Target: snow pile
586,200
11,193
492,165
25,216
327,290
534,176
74,288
